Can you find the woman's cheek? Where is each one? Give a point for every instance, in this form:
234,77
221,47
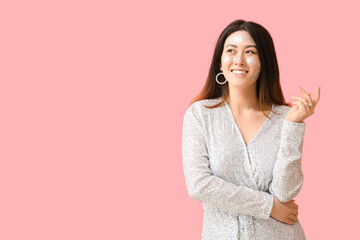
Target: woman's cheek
227,59
255,64
256,73
252,61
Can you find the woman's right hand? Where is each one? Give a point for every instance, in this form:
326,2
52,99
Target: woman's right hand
285,212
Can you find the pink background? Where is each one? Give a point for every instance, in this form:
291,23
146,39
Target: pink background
93,95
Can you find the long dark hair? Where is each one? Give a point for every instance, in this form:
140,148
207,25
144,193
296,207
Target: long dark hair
268,89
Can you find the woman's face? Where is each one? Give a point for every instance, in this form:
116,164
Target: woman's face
240,53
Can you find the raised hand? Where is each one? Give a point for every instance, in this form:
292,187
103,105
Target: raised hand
303,107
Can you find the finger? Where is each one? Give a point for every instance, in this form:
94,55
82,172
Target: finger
295,104
295,206
296,218
295,211
300,99
306,94
301,106
303,91
307,97
292,206
317,96
290,221
292,217
287,221
292,104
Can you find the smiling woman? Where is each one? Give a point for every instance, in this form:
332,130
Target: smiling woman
240,47
242,143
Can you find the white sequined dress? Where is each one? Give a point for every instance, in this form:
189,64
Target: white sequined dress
236,183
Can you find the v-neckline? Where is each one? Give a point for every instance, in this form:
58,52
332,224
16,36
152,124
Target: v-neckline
238,129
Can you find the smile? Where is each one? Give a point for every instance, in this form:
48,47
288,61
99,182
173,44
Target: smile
239,73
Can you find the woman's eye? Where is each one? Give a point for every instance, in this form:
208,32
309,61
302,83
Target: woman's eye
230,50
250,51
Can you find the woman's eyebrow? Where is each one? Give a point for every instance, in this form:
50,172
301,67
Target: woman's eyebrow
247,46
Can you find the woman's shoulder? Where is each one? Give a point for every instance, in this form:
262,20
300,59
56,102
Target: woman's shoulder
200,108
203,104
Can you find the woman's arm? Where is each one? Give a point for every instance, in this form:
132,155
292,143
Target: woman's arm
204,186
287,174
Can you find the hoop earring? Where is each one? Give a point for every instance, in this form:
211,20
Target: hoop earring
216,78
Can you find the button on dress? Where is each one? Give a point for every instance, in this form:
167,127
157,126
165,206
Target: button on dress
236,183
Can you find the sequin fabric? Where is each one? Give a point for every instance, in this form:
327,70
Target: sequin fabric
236,183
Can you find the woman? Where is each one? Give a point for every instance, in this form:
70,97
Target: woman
242,143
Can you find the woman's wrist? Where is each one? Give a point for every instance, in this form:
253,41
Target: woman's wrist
294,120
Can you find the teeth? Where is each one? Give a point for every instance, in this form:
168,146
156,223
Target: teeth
239,72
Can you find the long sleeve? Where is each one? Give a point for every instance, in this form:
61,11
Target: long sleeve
206,187
287,174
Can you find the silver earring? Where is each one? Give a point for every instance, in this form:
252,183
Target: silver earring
216,78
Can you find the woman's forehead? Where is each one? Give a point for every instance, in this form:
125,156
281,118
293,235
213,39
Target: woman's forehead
239,37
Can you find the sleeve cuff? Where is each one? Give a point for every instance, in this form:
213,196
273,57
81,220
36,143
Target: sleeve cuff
293,129
269,199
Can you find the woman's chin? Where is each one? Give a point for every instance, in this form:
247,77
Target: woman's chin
241,83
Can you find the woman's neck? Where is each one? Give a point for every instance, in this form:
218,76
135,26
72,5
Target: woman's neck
243,100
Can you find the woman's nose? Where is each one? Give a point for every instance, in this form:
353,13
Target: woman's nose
239,60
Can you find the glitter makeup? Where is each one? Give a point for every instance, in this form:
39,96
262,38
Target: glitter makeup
228,59
239,38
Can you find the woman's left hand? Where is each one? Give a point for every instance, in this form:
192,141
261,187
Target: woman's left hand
300,109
